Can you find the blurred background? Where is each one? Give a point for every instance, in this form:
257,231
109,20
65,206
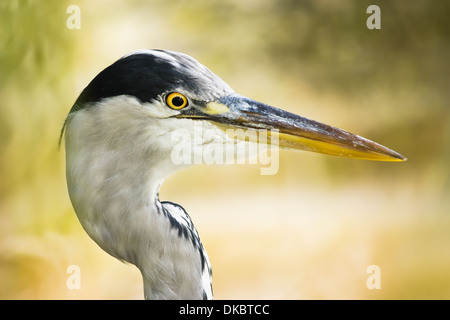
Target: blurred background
308,232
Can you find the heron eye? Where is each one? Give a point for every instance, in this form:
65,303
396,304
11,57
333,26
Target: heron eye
176,100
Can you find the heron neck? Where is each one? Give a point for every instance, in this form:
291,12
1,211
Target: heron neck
113,173
127,220
113,176
113,202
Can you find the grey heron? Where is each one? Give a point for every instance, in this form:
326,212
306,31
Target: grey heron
119,151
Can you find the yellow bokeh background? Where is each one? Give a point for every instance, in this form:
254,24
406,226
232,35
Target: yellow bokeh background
308,232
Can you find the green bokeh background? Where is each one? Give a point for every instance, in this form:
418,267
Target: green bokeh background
308,232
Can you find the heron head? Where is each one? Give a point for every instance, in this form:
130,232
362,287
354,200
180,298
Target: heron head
156,93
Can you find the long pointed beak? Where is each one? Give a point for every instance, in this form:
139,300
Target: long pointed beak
295,132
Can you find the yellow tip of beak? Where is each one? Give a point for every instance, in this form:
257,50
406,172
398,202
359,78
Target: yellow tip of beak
369,151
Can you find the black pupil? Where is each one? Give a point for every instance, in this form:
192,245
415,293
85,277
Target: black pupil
177,101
